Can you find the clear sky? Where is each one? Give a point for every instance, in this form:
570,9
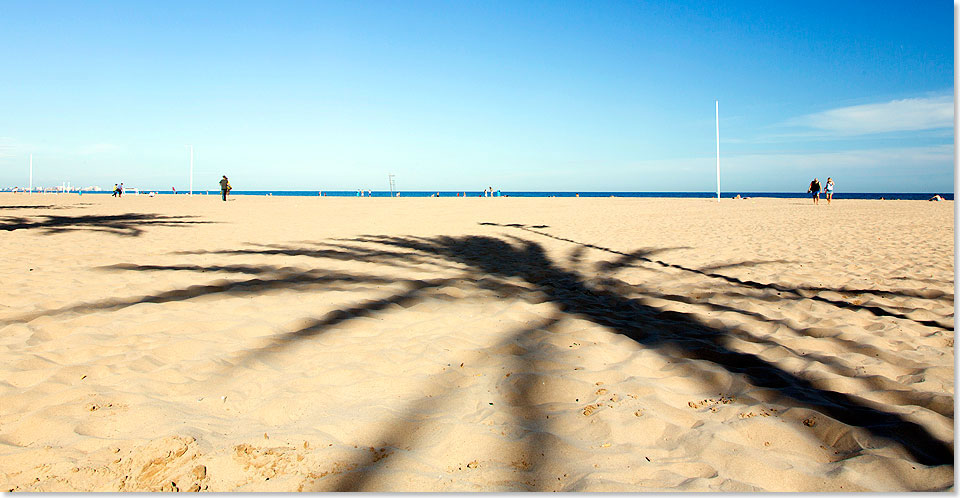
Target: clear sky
461,95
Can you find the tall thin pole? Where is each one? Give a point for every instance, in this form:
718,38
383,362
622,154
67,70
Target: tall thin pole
718,151
191,170
31,173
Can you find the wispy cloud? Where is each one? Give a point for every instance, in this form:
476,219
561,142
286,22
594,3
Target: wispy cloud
898,115
925,168
867,161
7,146
101,148
932,156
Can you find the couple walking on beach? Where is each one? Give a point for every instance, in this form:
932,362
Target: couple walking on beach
815,190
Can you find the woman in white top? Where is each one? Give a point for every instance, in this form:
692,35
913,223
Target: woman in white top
828,189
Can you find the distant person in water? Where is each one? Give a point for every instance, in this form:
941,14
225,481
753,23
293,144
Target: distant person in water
828,190
815,190
225,187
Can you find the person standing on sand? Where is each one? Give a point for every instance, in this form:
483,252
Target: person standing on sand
815,190
828,190
225,187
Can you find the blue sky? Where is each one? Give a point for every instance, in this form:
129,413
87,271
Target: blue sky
459,95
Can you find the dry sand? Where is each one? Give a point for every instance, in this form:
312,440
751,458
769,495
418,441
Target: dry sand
317,344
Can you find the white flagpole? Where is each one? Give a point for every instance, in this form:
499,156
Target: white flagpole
31,173
718,151
191,170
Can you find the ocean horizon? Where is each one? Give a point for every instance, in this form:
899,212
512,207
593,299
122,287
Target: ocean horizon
475,193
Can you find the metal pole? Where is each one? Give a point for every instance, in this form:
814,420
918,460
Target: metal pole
191,170
718,151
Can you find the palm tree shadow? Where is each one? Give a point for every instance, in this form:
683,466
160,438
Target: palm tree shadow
496,264
672,332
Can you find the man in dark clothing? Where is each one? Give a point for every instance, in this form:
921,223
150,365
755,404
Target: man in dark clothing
225,187
814,189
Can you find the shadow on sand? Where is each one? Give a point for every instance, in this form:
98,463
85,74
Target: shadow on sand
513,267
128,225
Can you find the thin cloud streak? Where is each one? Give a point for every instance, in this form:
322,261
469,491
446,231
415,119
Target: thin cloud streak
777,171
932,154
98,148
928,156
913,114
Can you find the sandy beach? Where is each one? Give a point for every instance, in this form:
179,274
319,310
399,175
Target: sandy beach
549,344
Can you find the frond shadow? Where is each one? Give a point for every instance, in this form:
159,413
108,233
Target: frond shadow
128,225
47,206
803,292
273,278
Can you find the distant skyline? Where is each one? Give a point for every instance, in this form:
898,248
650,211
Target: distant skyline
518,95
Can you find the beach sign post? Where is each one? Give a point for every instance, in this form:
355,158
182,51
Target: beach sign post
718,151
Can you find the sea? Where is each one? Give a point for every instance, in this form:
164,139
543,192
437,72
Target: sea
469,193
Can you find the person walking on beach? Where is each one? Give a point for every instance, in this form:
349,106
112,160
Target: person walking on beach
225,187
828,190
116,189
815,190
120,190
